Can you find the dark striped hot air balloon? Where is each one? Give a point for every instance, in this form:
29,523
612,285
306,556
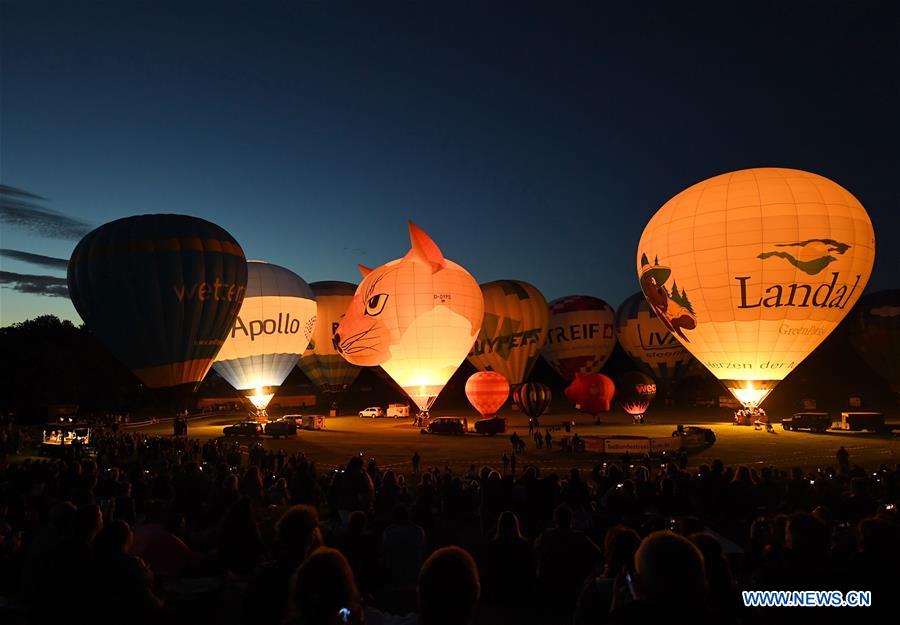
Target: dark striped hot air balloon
161,292
321,362
533,399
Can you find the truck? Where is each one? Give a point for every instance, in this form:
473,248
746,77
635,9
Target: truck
812,421
398,410
856,421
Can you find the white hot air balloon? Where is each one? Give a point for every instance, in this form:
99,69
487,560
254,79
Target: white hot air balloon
272,329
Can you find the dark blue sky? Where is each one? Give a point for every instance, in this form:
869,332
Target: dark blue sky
531,142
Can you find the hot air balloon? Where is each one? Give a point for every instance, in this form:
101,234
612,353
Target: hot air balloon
161,292
874,330
751,270
582,335
487,391
272,329
591,392
634,392
416,316
533,399
648,342
513,331
321,362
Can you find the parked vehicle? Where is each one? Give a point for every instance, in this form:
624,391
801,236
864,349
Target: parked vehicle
244,428
372,412
858,421
695,435
312,422
285,426
447,425
492,426
812,421
398,410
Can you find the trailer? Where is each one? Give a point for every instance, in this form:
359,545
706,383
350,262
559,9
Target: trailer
856,421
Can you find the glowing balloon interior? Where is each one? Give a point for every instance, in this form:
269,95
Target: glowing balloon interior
487,391
751,270
161,292
321,362
271,331
514,329
416,316
582,335
648,342
591,392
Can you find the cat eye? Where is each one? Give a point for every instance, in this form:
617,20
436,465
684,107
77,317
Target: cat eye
375,304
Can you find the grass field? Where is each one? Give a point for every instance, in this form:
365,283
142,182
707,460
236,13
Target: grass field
392,442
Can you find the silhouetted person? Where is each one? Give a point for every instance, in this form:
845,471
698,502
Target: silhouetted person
669,584
843,460
508,565
323,591
619,547
449,588
416,461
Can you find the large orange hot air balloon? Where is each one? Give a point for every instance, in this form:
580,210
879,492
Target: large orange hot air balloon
487,391
514,329
416,316
161,292
751,270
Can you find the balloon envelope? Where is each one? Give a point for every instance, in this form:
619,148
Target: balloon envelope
272,329
582,335
591,392
513,331
533,399
635,392
753,269
487,391
161,292
647,340
321,362
416,316
874,331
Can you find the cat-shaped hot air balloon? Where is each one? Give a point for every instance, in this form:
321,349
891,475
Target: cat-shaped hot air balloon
416,316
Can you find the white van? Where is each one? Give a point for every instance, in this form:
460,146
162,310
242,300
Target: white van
398,410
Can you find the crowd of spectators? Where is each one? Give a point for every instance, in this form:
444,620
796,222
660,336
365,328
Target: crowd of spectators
163,529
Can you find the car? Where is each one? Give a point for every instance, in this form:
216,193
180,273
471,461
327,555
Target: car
491,427
447,425
285,426
244,428
695,435
372,412
812,421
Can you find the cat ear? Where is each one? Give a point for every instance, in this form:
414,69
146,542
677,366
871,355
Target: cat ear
364,270
425,249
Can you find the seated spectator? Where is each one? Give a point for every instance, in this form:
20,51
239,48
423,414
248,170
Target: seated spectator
509,563
296,535
449,588
323,591
619,547
669,584
123,584
164,552
402,550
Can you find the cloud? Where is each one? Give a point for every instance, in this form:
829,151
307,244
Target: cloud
18,210
36,285
35,259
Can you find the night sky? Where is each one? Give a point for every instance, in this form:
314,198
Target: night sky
531,142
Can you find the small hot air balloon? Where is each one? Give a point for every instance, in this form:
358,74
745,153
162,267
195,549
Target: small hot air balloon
514,329
874,331
416,316
533,399
635,392
581,337
649,343
487,391
752,269
321,362
272,329
591,392
161,292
